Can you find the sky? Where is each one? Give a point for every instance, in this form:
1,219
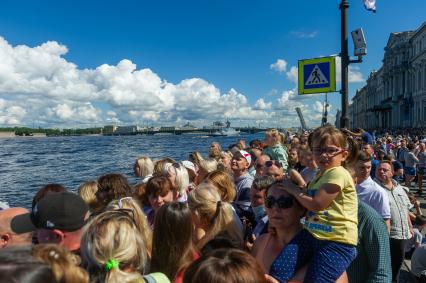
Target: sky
92,63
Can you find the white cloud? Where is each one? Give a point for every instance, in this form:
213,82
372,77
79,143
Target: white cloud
262,105
303,34
280,66
293,74
38,83
354,73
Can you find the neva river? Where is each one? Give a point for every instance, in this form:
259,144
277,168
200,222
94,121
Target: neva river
28,163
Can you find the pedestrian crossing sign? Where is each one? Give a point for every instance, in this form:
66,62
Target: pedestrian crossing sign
317,75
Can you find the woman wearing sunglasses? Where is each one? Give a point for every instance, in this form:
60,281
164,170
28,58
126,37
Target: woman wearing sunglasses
284,214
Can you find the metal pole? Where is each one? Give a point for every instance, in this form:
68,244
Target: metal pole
344,6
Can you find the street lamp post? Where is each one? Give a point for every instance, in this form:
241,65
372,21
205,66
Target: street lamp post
344,55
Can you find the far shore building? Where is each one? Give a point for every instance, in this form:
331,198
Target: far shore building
395,95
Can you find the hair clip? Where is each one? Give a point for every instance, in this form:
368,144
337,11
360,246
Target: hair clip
111,264
54,254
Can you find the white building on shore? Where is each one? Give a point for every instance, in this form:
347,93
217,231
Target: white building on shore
395,95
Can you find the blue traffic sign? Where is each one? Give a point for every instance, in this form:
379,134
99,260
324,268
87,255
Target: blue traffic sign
317,75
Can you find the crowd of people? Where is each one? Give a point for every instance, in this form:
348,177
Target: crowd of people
323,206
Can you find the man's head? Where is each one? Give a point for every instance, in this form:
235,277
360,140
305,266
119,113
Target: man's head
258,189
384,171
240,162
368,148
260,164
9,238
57,218
363,166
274,169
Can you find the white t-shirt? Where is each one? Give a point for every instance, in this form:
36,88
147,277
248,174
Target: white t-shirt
375,196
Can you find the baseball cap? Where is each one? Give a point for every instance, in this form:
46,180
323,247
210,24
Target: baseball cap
246,155
63,211
189,165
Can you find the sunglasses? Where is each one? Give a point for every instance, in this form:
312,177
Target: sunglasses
281,202
277,163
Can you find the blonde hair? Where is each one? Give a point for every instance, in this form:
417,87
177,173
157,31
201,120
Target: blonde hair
138,216
279,138
224,183
87,191
64,264
146,166
206,204
209,165
182,177
113,235
160,164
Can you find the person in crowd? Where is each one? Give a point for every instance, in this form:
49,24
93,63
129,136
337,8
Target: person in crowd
311,167
398,168
8,238
205,167
57,218
110,187
421,155
372,263
401,227
415,207
192,170
159,166
225,160
369,191
274,169
195,157
411,162
44,263
256,144
224,183
260,165
225,266
417,239
173,248
243,180
143,168
257,193
129,203
112,249
159,191
331,223
402,152
369,150
87,191
212,217
294,160
178,176
284,214
275,149
418,263
215,150
45,190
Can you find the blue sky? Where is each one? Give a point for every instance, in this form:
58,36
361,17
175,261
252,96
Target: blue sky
197,53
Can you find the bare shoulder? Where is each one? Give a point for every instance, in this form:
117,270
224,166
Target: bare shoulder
259,244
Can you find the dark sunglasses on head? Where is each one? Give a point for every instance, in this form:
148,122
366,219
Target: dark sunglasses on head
281,202
269,163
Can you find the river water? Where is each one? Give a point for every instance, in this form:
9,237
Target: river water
28,163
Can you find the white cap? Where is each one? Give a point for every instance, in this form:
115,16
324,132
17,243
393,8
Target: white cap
246,155
189,165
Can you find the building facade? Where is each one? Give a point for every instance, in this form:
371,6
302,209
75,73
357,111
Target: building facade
395,95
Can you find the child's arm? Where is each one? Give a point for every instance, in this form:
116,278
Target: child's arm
323,198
